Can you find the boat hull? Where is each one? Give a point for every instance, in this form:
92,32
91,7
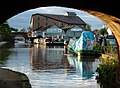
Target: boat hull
84,53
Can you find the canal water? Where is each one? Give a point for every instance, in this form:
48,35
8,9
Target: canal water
49,67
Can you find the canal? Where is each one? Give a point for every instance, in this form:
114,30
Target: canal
49,67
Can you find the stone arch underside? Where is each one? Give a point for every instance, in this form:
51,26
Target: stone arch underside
110,7
112,22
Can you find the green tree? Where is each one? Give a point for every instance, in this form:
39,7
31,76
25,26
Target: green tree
5,29
14,29
103,31
102,40
88,27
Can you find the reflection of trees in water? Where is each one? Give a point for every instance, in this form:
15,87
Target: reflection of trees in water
53,58
50,58
46,58
7,45
4,52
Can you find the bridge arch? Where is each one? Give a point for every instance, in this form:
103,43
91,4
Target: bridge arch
106,10
112,22
19,36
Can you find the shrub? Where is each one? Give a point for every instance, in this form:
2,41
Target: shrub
108,69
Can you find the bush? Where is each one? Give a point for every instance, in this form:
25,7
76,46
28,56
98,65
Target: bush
108,69
104,49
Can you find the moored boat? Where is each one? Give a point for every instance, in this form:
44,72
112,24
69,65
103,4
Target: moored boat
84,53
83,46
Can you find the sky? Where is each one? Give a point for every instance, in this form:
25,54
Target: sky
22,20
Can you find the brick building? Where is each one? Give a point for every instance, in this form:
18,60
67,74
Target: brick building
41,22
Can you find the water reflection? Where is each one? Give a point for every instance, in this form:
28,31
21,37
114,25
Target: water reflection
49,67
42,58
4,53
46,58
85,68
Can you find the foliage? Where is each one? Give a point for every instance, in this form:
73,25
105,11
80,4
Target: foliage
22,30
4,53
108,69
88,27
103,49
107,74
6,29
103,31
14,29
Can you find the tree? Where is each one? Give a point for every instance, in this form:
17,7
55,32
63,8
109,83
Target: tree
88,27
5,29
103,31
22,30
14,29
102,40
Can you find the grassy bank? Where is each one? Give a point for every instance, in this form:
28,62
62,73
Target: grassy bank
108,70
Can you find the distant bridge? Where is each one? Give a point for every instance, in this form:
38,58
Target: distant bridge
13,35
26,36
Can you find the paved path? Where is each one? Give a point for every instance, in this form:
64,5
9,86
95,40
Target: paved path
12,79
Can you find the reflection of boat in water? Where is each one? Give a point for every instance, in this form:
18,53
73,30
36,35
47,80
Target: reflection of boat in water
19,41
83,46
51,42
85,68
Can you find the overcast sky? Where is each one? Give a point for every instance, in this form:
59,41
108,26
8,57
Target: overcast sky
22,20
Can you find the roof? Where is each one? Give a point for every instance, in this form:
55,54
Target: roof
44,28
65,19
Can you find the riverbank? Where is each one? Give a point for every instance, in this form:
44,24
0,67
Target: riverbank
2,43
12,79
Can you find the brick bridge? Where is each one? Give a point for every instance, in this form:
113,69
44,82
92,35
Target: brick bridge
18,34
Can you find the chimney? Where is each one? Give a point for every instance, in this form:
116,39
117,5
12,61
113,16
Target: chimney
70,14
